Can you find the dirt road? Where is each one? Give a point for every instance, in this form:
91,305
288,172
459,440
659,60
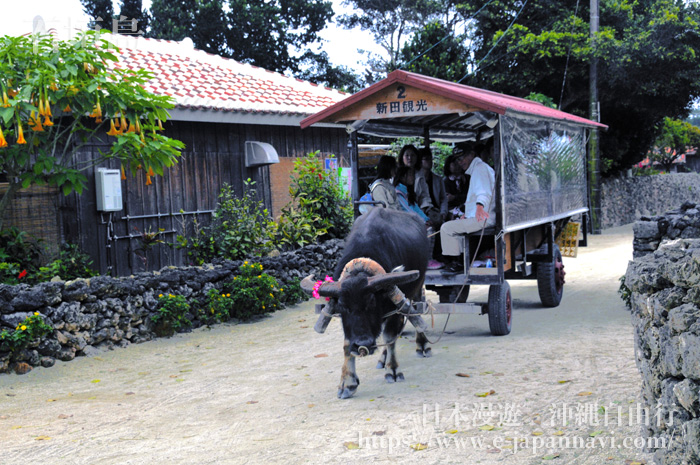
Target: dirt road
562,388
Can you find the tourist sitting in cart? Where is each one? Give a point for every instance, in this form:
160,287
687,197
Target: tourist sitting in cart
405,193
437,212
382,188
479,207
409,156
456,186
404,182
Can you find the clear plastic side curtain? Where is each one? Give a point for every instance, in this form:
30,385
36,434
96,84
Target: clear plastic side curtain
544,170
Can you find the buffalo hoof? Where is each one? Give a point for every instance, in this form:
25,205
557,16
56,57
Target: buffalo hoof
346,393
348,386
425,353
393,378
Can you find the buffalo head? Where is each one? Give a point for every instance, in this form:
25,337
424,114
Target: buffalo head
363,294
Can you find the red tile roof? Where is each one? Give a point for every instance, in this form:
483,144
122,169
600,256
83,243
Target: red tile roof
199,80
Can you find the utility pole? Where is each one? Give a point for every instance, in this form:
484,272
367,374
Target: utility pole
593,145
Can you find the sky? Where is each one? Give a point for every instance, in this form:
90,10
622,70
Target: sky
17,17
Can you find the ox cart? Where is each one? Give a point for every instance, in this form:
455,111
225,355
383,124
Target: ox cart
539,158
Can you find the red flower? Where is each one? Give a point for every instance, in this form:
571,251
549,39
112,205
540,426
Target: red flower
22,274
320,177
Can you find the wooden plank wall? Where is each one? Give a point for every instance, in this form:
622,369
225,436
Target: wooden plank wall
214,155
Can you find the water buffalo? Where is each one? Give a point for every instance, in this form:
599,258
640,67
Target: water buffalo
384,263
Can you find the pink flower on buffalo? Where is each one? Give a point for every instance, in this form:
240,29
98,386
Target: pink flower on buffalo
22,274
317,286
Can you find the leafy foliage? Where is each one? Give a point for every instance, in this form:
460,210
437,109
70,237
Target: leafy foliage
241,227
320,197
435,51
217,308
647,62
21,250
253,292
71,263
675,139
172,309
31,329
47,86
296,229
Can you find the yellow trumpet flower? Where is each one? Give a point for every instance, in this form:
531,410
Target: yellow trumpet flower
5,103
20,135
112,130
3,142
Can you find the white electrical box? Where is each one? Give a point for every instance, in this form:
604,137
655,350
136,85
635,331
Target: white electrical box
108,184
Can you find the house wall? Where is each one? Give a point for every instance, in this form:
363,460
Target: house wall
34,210
214,155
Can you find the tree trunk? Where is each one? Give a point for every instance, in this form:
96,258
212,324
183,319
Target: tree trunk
5,201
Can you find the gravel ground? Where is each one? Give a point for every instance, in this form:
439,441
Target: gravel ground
561,388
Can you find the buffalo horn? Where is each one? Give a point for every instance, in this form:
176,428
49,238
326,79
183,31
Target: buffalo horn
392,279
327,289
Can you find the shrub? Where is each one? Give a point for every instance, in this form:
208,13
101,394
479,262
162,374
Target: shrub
218,307
172,309
241,227
71,263
19,247
320,197
253,292
31,329
292,293
10,273
296,229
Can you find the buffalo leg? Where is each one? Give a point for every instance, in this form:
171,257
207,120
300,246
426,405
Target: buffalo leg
382,360
422,349
348,378
392,330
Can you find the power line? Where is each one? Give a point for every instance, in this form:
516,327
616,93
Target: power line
446,36
568,54
476,68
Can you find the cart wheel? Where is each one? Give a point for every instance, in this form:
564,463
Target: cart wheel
500,309
550,279
448,294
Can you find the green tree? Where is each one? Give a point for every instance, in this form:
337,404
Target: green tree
647,53
99,9
276,35
132,10
48,87
203,21
391,22
675,140
435,51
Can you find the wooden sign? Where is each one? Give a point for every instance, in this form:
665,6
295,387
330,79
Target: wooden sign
401,101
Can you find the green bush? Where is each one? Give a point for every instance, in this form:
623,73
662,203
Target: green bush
19,247
292,293
217,308
31,329
70,264
253,292
172,309
625,293
319,196
241,227
9,273
296,229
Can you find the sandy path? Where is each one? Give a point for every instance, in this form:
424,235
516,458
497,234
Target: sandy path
266,392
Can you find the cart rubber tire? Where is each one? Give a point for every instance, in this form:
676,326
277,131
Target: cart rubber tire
448,294
550,279
500,307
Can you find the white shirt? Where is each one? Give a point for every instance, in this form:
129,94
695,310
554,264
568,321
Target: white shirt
481,189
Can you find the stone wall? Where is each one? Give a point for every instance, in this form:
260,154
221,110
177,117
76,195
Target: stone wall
624,200
681,223
664,291
103,312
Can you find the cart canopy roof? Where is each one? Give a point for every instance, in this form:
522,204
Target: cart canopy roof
405,104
